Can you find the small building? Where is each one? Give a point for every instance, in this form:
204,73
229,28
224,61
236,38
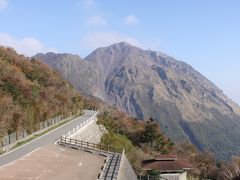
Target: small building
168,167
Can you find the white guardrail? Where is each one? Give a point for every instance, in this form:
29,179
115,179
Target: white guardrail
74,130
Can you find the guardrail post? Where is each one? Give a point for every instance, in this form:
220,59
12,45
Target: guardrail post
9,138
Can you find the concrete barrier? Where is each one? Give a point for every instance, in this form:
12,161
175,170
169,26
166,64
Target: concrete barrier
126,171
117,165
74,131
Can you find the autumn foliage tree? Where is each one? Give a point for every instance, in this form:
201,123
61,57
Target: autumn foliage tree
30,92
231,170
133,135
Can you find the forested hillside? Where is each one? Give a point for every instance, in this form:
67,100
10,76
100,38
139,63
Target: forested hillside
144,140
30,92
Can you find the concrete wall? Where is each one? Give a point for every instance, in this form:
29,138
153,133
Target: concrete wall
89,133
183,176
126,171
175,176
171,176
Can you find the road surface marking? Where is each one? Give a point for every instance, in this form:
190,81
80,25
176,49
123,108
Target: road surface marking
36,139
12,162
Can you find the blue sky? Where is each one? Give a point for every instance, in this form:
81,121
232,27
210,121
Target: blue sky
204,33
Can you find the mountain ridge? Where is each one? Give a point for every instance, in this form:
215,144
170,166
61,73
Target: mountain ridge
147,83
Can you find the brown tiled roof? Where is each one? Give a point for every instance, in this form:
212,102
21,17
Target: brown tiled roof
166,163
166,157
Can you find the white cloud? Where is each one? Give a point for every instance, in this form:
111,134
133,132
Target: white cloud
87,3
3,4
101,39
131,19
28,46
96,21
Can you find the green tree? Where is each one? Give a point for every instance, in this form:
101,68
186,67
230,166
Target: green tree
150,133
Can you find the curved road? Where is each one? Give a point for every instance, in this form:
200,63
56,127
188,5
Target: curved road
48,138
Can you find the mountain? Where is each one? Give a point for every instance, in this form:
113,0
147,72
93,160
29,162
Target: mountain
146,84
31,92
83,75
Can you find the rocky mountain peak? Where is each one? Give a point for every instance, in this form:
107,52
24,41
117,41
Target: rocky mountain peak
122,45
57,56
146,83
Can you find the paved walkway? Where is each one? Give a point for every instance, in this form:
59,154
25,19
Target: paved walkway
48,138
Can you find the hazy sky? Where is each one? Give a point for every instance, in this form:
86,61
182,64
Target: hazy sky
203,33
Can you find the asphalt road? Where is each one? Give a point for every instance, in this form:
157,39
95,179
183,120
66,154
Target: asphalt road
48,138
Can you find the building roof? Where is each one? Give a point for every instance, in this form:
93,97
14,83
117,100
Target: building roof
166,157
167,163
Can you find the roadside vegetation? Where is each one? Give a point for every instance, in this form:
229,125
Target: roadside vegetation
1,152
31,93
144,139
20,143
140,139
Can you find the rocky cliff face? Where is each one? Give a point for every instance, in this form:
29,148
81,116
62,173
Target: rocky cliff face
151,84
83,75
